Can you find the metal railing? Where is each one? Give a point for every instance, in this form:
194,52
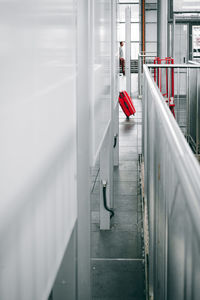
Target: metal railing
142,59
193,62
184,92
172,193
133,66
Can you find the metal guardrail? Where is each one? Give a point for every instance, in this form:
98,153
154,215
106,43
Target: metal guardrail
193,62
172,192
133,66
142,59
186,98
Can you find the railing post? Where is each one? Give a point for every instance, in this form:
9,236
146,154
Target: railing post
139,76
188,105
178,94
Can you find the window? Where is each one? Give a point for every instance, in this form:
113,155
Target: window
135,32
134,5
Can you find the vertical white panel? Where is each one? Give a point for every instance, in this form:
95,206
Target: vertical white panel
115,55
114,82
100,72
38,143
84,87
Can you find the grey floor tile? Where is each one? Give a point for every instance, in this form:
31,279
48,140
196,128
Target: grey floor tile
131,134
125,217
127,142
125,203
95,227
127,129
125,227
131,149
116,244
124,279
125,188
131,155
124,121
118,280
128,165
129,175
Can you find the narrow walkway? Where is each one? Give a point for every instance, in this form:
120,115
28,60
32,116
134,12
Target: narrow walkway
117,261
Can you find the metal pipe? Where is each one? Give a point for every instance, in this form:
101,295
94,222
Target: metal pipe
140,71
168,86
193,62
178,94
143,27
128,49
139,75
141,55
188,104
181,66
162,28
174,24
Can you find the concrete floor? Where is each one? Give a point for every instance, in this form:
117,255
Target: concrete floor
117,262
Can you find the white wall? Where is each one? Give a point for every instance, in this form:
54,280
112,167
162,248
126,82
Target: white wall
38,143
100,74
45,97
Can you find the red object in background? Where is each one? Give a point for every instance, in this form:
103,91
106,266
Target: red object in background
169,94
126,104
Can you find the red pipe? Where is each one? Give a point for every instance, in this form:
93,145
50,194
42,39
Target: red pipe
172,78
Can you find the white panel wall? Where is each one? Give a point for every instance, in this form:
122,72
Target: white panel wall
151,32
100,72
151,27
37,138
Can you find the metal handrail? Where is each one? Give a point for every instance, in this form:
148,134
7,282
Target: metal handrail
141,59
177,140
191,93
181,66
144,55
193,62
172,189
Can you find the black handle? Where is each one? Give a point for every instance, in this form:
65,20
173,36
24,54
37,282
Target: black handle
105,203
115,140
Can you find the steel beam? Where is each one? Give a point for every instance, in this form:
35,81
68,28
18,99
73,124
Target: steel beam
128,50
162,28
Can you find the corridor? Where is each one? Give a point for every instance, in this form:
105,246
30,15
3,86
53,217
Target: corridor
117,255
69,156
